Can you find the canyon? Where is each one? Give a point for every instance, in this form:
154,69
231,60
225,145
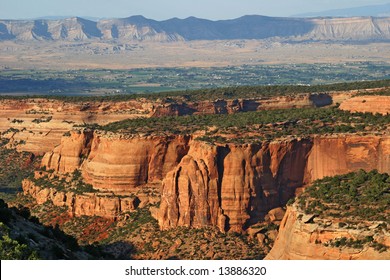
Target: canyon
231,187
37,125
188,182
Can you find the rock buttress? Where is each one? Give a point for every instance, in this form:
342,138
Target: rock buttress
231,186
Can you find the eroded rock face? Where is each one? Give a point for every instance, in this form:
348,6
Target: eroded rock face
190,192
40,123
117,164
335,155
231,186
367,104
122,164
300,240
231,106
89,204
67,157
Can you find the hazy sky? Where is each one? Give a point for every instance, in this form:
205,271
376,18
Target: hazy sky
164,9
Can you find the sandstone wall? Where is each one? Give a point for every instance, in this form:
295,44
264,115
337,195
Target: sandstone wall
89,204
114,163
298,240
231,186
334,155
58,118
67,157
231,106
367,104
123,164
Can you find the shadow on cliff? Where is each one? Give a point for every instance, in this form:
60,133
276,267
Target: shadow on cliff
321,99
51,242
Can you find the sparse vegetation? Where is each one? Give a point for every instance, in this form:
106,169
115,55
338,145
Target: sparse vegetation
357,196
255,126
42,120
357,244
11,249
73,182
15,167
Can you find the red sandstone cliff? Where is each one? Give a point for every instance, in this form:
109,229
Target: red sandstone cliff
114,163
340,154
231,106
89,204
40,123
367,104
233,186
68,156
229,186
122,164
299,239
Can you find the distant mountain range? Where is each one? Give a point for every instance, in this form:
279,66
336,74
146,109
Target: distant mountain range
372,10
139,28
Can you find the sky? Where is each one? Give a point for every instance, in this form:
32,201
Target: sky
165,9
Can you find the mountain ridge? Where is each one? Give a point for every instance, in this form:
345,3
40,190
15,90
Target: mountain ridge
139,28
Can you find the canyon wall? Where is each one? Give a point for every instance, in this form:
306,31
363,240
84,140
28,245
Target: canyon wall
123,164
113,163
231,106
36,125
367,104
88,204
300,239
341,154
233,186
229,186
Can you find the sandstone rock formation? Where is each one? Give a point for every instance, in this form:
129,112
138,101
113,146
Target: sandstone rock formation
340,154
67,157
299,240
231,106
233,186
122,164
229,186
89,204
367,104
38,124
114,163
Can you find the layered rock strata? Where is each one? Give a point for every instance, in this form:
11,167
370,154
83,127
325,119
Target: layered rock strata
232,186
89,204
229,186
367,104
301,238
37,125
112,163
